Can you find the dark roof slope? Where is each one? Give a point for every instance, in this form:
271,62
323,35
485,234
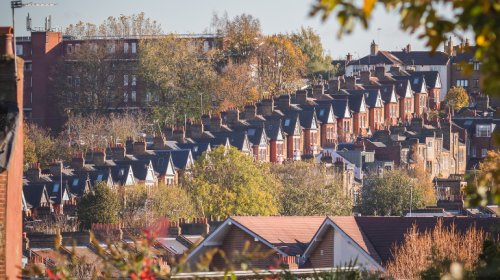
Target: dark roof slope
306,117
289,122
371,95
77,184
339,106
385,91
431,77
236,139
422,57
355,100
415,81
322,111
33,193
271,126
197,149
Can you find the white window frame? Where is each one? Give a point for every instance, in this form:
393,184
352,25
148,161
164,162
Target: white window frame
125,80
134,80
134,47
133,98
474,152
484,152
125,96
111,47
125,48
19,49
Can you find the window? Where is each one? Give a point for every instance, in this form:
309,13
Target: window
70,96
205,46
69,48
483,130
19,49
77,48
99,178
77,97
160,161
476,66
287,122
134,96
56,187
251,132
125,48
475,83
70,80
459,67
474,152
356,196
270,127
462,83
429,144
468,147
110,81
75,182
452,163
93,47
415,81
134,80
134,49
125,96
110,47
321,112
28,66
77,81
148,96
484,152
461,156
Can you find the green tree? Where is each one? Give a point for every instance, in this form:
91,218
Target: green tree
229,182
389,195
311,189
179,72
456,98
171,201
100,205
309,42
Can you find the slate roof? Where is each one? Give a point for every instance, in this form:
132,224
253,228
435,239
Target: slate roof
272,127
118,173
155,160
421,57
355,100
77,184
291,120
464,57
347,146
180,158
384,57
431,77
290,234
400,86
383,232
306,117
470,123
214,142
33,193
325,109
371,95
94,175
54,193
254,132
236,139
197,149
415,82
139,167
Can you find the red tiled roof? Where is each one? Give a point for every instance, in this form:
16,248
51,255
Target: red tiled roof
349,226
383,232
293,232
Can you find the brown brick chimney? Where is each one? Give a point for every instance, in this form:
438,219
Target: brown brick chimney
34,172
250,110
267,105
284,102
56,167
373,48
139,147
301,97
365,76
215,123
179,134
78,162
232,115
350,82
129,145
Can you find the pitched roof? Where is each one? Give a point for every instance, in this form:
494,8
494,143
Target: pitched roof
383,232
289,123
382,57
214,142
197,149
236,139
431,77
355,101
290,233
159,161
421,57
34,194
371,95
307,118
77,184
119,174
255,133
322,111
464,57
96,176
139,167
273,128
340,107
400,86
416,82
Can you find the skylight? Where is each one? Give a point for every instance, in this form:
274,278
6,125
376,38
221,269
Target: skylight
468,123
251,132
75,182
195,149
99,178
385,89
415,81
56,187
321,112
287,122
270,127
160,161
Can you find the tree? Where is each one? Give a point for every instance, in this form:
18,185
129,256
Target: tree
100,205
229,182
89,79
171,201
389,195
424,177
456,98
280,66
41,147
421,250
311,189
235,86
178,71
122,27
482,185
309,42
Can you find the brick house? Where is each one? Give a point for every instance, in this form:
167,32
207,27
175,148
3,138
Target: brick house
39,199
343,118
277,139
163,166
433,82
359,111
406,107
310,126
390,101
338,241
326,120
420,93
285,236
294,135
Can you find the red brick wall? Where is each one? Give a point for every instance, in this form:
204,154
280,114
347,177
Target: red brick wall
326,245
392,153
235,241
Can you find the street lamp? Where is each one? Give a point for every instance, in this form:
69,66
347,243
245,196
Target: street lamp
15,5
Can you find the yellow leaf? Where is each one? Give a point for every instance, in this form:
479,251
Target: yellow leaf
367,9
480,40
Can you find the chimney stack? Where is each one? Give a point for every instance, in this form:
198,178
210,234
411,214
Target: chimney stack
129,145
139,147
56,167
118,151
373,48
99,156
417,124
365,76
350,82
34,172
250,111
215,123
78,162
267,105
482,103
196,130
232,115
301,97
334,85
348,57
179,134
205,118
284,102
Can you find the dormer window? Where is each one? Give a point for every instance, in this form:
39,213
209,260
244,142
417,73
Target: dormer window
160,161
483,130
251,132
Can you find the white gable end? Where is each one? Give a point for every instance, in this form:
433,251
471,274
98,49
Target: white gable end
409,94
330,117
393,97
362,108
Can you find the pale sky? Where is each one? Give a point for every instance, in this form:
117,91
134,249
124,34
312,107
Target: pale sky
276,16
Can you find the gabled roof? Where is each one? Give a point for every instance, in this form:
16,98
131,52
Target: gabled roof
96,176
323,112
432,78
421,57
357,102
348,227
236,139
119,174
291,124
78,185
341,107
141,168
56,192
382,57
214,142
372,97
387,92
384,232
308,119
162,163
464,57
417,83
35,194
288,235
403,88
273,128
256,134
197,149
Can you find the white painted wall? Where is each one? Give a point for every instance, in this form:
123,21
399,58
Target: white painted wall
344,252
